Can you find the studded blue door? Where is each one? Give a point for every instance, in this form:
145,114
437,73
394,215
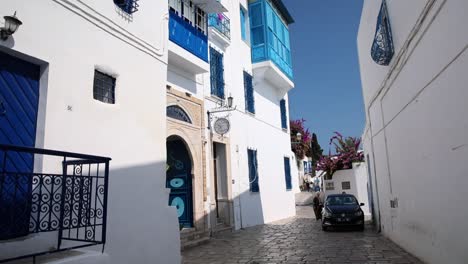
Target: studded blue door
179,180
19,96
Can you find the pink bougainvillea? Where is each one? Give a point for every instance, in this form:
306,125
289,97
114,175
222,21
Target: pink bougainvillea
301,147
347,150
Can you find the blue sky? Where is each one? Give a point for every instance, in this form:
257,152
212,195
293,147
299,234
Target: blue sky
327,89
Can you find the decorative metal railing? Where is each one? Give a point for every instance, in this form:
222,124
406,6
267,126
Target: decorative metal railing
51,191
221,23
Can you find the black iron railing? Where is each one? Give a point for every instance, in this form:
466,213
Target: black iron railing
52,191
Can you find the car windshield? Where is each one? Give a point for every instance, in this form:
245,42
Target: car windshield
341,200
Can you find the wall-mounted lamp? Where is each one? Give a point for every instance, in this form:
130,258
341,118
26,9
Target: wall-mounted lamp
230,101
12,24
298,138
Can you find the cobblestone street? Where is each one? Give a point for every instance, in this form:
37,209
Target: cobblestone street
297,240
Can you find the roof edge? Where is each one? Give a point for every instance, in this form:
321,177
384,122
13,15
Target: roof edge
284,11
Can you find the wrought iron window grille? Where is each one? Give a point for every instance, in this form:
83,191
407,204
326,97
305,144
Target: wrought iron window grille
249,93
70,199
104,87
216,73
176,112
128,6
382,48
253,170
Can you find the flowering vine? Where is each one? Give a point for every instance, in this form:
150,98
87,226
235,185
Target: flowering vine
347,150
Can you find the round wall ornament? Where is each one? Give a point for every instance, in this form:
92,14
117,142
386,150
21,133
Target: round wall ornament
222,125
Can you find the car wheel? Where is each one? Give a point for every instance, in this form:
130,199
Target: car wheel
361,227
324,228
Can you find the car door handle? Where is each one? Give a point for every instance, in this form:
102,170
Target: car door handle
2,109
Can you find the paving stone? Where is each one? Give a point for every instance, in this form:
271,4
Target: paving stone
297,240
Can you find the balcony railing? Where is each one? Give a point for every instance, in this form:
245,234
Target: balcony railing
187,36
59,196
221,23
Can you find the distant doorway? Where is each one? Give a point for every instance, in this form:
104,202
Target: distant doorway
179,180
221,184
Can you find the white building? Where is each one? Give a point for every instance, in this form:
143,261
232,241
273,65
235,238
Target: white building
416,131
89,77
351,181
132,81
239,174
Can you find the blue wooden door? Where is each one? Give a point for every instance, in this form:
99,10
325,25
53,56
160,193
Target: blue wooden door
19,97
179,180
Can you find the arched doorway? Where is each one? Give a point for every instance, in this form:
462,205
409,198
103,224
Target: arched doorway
179,179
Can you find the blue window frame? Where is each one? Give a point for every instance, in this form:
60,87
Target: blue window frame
249,93
284,116
253,170
287,173
128,6
243,23
216,73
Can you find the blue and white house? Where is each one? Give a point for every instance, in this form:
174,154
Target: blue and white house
131,129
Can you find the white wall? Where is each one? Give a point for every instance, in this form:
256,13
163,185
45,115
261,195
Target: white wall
72,39
416,133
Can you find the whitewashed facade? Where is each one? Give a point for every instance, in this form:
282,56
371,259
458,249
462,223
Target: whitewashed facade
69,40
155,128
416,130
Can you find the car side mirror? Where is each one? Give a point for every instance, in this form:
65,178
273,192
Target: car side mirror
361,204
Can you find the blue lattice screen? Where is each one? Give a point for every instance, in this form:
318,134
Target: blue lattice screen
382,48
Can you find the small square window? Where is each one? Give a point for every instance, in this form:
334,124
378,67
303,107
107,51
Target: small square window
346,185
104,87
329,186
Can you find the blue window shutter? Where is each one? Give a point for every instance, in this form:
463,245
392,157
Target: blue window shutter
287,173
249,93
242,21
253,170
216,73
284,117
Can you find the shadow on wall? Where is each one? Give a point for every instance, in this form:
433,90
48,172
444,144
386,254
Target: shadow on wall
267,91
141,226
248,209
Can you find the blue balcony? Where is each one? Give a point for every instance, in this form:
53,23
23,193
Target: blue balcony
187,36
270,35
221,23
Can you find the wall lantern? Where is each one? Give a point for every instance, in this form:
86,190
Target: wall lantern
221,107
12,24
298,138
230,101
